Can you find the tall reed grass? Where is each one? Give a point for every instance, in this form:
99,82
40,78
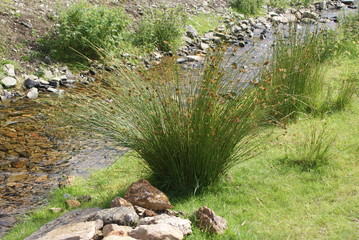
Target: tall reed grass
189,128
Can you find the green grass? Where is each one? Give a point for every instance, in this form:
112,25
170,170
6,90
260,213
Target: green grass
263,198
204,22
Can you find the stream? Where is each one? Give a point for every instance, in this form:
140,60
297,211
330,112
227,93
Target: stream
34,157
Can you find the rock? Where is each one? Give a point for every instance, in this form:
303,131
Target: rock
75,216
114,237
156,232
184,225
73,203
9,82
143,212
181,60
119,215
208,220
69,74
348,2
114,229
191,32
188,40
143,194
32,93
80,231
68,181
311,15
10,70
203,46
48,74
120,202
193,58
29,83
290,17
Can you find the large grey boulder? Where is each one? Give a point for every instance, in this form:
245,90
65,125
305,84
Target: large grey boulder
78,215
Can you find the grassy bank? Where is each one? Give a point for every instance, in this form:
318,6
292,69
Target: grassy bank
264,198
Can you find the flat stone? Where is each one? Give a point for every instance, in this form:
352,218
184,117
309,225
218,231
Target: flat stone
9,82
143,194
114,229
208,220
156,232
80,231
181,60
75,216
118,215
184,225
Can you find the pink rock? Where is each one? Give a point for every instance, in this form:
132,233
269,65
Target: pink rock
114,229
156,232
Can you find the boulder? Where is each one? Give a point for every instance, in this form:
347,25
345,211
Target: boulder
120,202
114,229
119,215
208,220
78,215
32,93
30,83
9,82
80,231
143,194
184,225
156,232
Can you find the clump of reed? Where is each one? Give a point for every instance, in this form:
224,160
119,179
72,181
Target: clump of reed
189,127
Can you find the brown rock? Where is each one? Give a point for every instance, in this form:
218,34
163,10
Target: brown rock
156,232
208,220
120,202
114,229
143,212
143,194
72,203
67,182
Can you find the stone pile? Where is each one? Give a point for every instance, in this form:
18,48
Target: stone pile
144,213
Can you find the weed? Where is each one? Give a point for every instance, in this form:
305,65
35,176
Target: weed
84,29
310,149
249,7
160,28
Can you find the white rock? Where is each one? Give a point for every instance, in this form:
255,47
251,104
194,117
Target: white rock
156,232
9,81
184,225
80,231
33,93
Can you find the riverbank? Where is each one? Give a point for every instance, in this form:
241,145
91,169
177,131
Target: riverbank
264,198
